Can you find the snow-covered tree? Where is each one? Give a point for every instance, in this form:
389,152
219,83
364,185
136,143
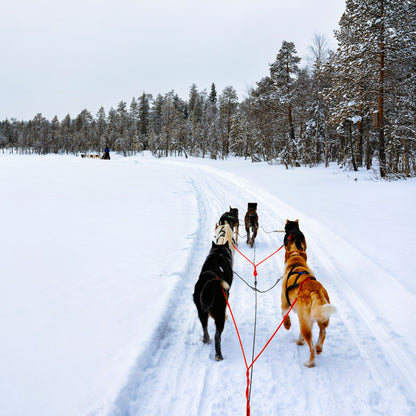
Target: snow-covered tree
228,103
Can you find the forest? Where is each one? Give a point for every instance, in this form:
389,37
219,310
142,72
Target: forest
354,106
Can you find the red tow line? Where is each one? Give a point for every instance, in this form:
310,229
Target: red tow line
248,367
258,355
258,264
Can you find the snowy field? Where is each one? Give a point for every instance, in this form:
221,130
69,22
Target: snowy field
99,259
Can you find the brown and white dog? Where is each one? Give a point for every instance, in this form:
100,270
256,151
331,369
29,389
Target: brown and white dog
251,222
312,303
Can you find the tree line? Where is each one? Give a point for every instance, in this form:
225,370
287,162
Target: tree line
355,106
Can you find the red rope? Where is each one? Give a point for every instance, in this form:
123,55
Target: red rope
236,329
244,355
258,264
265,346
258,355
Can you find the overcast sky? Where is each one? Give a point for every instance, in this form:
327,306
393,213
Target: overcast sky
60,57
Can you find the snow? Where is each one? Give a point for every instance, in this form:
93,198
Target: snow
99,259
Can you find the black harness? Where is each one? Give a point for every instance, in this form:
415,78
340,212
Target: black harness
295,284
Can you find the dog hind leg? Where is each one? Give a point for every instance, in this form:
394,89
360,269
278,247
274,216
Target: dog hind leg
306,333
287,322
300,340
322,334
219,324
203,317
285,307
253,236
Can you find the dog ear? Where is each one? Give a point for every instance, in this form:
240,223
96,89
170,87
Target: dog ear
287,221
297,221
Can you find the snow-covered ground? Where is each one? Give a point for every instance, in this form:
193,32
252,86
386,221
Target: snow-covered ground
99,259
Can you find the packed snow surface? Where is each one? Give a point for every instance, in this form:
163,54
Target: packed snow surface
99,260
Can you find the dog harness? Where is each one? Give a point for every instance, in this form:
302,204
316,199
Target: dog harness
296,284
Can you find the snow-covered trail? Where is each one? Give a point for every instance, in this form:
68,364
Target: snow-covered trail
363,368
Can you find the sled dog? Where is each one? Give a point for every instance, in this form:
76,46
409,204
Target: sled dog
213,285
251,222
312,303
294,239
231,218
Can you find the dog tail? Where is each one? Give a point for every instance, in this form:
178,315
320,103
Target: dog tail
323,312
213,292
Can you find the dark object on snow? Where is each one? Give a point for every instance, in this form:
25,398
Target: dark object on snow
231,218
210,290
294,237
251,222
106,154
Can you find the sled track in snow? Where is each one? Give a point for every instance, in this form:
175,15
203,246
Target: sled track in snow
357,372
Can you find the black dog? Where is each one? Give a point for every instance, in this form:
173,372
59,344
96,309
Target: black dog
294,235
214,281
251,222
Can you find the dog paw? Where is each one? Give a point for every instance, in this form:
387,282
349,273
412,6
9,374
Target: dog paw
309,364
299,341
218,357
318,349
206,340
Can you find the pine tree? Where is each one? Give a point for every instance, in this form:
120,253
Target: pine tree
54,139
213,94
133,125
375,42
227,107
264,112
316,124
144,120
66,132
195,121
351,83
156,124
112,129
83,133
193,98
101,130
283,73
401,87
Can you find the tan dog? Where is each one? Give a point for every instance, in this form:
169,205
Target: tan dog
312,303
